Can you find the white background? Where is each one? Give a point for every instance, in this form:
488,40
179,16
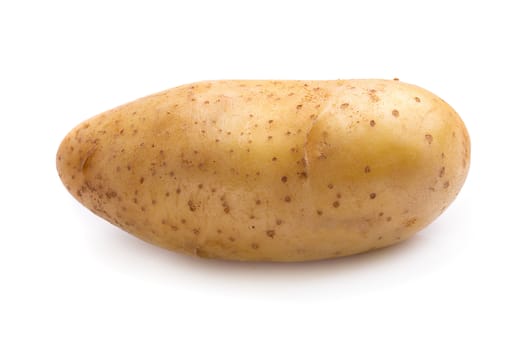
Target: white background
72,281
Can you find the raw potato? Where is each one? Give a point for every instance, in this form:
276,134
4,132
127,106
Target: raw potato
271,170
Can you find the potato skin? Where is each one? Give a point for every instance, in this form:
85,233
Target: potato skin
271,170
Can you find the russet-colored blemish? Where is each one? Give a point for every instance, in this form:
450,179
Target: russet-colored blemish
330,186
255,246
335,204
319,212
284,179
274,159
192,205
446,184
141,180
278,222
442,172
367,169
287,199
372,195
410,222
429,138
344,106
258,202
372,95
270,233
417,99
299,106
395,113
372,123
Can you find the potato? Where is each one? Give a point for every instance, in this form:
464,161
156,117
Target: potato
271,170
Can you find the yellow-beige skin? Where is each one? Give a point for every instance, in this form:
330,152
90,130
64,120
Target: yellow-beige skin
271,170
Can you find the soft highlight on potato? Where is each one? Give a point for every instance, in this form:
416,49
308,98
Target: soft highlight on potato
271,170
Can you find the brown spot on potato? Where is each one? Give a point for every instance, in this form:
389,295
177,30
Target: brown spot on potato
410,222
442,172
335,204
255,246
373,96
274,159
258,202
287,199
417,99
192,205
330,186
429,138
141,180
278,222
372,195
284,179
372,123
344,106
319,212
395,113
446,184
270,233
367,169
